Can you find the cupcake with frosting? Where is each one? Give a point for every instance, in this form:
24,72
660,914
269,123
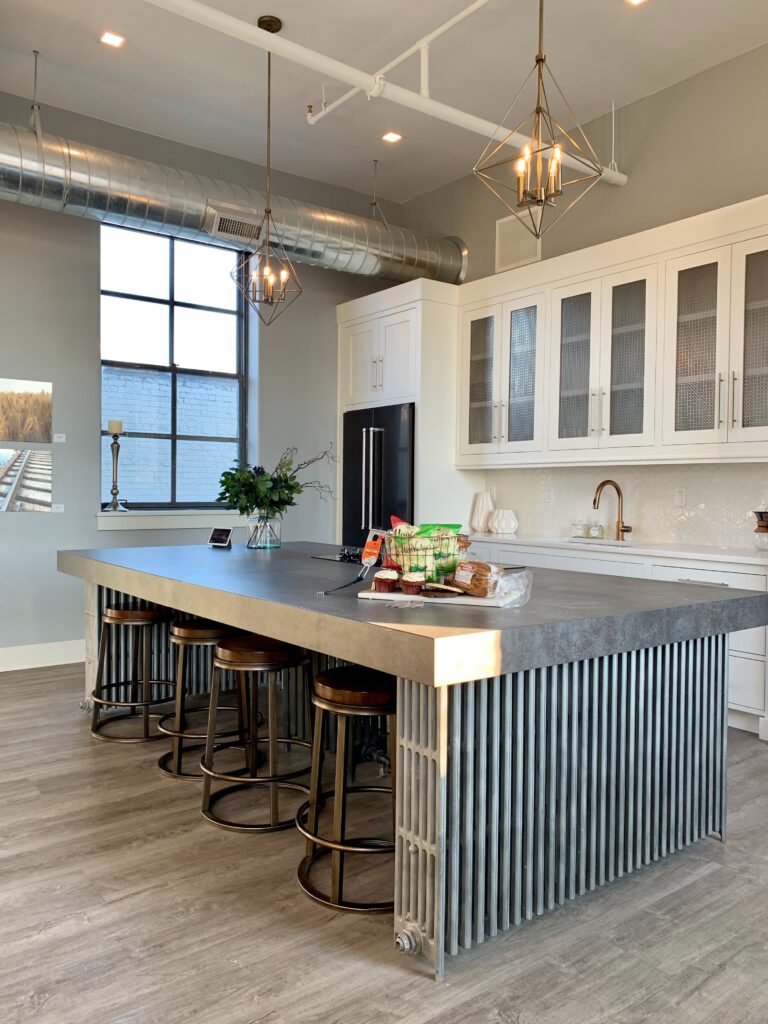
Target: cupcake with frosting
412,582
385,581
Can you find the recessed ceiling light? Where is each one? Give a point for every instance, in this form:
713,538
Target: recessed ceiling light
112,39
391,137
636,3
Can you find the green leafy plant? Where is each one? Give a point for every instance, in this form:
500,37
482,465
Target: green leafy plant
252,489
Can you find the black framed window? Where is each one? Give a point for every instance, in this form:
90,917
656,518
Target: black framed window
173,367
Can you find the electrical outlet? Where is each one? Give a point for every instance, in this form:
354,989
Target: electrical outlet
549,495
680,498
60,438
57,508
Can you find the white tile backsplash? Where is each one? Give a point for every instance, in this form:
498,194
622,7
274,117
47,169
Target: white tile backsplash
718,510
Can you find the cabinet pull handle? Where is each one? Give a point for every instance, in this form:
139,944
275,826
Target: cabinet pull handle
362,485
495,426
719,417
374,373
703,583
591,412
601,427
502,423
381,373
734,418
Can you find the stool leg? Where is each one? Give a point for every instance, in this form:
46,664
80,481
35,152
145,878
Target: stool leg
146,689
274,809
393,761
316,778
252,718
242,713
339,809
210,736
179,718
135,638
96,709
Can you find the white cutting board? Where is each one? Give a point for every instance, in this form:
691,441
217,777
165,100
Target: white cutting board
399,597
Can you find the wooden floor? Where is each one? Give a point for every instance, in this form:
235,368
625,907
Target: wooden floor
120,905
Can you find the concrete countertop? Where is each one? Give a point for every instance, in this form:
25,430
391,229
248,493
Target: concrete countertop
644,549
570,616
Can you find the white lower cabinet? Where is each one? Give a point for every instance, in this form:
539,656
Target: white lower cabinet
748,649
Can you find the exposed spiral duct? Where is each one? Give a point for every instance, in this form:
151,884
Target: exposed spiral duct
68,177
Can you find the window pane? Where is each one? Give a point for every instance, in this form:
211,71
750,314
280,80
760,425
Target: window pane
205,341
134,262
140,398
133,331
144,470
199,465
207,406
203,275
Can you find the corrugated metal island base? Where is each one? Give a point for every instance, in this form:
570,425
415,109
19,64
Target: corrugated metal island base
520,792
543,752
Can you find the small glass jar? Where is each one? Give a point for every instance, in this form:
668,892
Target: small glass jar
579,528
596,531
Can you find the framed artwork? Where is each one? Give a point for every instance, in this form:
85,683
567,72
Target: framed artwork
26,408
25,480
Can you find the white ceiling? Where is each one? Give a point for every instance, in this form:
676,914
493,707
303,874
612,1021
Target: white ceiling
183,82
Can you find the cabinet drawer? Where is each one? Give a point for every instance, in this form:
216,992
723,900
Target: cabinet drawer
746,684
748,641
570,563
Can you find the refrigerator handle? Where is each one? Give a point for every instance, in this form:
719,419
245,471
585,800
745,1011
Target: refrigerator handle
362,484
371,458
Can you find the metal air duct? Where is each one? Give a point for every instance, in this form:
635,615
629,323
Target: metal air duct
57,174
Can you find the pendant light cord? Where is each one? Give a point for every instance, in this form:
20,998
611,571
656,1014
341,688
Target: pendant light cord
269,129
541,28
34,117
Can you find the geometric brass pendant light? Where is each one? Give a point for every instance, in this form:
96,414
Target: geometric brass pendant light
534,184
267,277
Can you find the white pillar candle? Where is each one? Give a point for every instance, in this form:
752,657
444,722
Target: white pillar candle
115,427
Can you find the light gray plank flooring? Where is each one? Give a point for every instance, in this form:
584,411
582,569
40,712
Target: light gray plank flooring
120,905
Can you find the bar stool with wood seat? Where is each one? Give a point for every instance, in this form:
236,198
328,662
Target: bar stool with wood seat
252,658
139,693
185,636
346,693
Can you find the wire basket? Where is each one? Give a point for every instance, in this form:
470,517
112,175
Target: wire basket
437,557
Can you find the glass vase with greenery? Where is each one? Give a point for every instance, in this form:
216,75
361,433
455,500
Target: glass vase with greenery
263,497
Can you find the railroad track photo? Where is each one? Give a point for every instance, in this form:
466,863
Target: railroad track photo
25,480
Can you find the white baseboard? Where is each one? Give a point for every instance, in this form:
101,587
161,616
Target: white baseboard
742,720
65,652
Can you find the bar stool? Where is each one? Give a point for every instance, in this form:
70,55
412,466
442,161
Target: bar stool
346,693
185,635
107,695
252,657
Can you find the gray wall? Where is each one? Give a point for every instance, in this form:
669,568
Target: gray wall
49,330
697,146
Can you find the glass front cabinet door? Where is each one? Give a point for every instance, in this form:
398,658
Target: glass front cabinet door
575,366
479,394
696,350
627,359
521,418
748,376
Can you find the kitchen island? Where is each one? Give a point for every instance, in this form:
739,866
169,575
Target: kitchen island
542,751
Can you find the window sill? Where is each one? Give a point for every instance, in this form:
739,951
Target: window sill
176,519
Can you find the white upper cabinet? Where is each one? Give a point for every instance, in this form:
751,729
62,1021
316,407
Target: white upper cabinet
628,359
379,359
748,377
696,347
502,378
603,362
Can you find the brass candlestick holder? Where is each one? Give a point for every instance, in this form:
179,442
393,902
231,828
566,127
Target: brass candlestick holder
115,505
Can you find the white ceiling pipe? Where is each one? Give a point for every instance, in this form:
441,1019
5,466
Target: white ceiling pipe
373,86
421,47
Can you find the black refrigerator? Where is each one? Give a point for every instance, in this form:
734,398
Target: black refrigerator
377,481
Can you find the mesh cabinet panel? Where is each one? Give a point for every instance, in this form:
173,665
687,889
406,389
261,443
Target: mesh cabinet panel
755,403
628,358
522,374
481,381
575,341
695,372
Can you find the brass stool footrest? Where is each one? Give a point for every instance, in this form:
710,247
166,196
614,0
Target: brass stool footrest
110,702
96,731
184,734
238,826
164,761
350,906
354,845
256,780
